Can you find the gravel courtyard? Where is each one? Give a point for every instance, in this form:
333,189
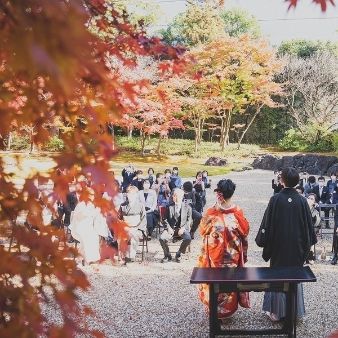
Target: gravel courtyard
151,299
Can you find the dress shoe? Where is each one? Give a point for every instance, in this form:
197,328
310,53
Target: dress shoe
334,260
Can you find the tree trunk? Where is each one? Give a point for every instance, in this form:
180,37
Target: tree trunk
130,132
158,150
143,143
248,126
228,124
9,141
221,131
31,141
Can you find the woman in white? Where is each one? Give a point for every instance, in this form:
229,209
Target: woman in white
134,214
87,225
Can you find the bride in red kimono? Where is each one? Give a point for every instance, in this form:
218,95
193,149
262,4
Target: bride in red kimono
224,230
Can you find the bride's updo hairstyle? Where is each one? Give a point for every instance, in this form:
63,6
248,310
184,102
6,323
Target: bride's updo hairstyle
226,188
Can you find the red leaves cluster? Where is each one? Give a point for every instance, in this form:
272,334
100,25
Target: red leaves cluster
323,3
51,68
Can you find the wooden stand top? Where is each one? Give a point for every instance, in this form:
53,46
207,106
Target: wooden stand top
293,274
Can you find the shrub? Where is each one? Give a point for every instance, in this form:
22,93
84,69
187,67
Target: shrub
292,141
20,142
314,138
54,144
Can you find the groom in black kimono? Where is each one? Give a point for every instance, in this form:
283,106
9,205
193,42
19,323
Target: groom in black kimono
286,235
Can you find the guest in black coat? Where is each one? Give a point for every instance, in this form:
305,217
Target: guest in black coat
287,238
138,180
190,198
128,174
332,183
323,197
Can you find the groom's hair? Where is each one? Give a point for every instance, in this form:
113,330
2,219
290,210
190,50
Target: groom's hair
290,177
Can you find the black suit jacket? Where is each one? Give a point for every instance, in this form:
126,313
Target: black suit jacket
325,197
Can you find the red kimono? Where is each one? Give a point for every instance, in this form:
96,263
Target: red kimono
224,234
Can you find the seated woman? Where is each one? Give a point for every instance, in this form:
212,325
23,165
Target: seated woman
224,230
133,213
86,226
180,220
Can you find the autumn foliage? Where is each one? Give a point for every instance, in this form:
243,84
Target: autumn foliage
52,67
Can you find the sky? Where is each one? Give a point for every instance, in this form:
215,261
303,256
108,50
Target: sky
277,23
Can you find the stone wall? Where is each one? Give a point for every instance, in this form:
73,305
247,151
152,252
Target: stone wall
311,163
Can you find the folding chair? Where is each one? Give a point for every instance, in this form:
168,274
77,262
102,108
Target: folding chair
143,244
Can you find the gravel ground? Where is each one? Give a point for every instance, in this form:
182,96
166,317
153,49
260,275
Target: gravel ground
151,299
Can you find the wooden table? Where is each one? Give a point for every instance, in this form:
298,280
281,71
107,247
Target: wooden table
256,279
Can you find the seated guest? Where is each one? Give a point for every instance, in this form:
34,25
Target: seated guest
175,180
179,222
224,230
162,190
190,198
311,199
206,180
128,174
276,183
286,240
151,176
149,199
199,192
322,197
87,225
133,212
138,180
311,183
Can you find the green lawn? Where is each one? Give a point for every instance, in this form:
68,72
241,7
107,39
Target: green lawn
180,153
175,152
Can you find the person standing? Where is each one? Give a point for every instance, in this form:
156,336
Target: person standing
128,174
199,192
133,213
308,187
276,183
322,194
224,229
138,180
149,199
286,235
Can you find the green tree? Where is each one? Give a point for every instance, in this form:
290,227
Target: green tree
237,22
306,48
199,24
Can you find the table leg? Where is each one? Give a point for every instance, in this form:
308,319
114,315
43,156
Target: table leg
213,316
292,310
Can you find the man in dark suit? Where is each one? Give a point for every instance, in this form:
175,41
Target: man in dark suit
323,197
287,238
332,184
